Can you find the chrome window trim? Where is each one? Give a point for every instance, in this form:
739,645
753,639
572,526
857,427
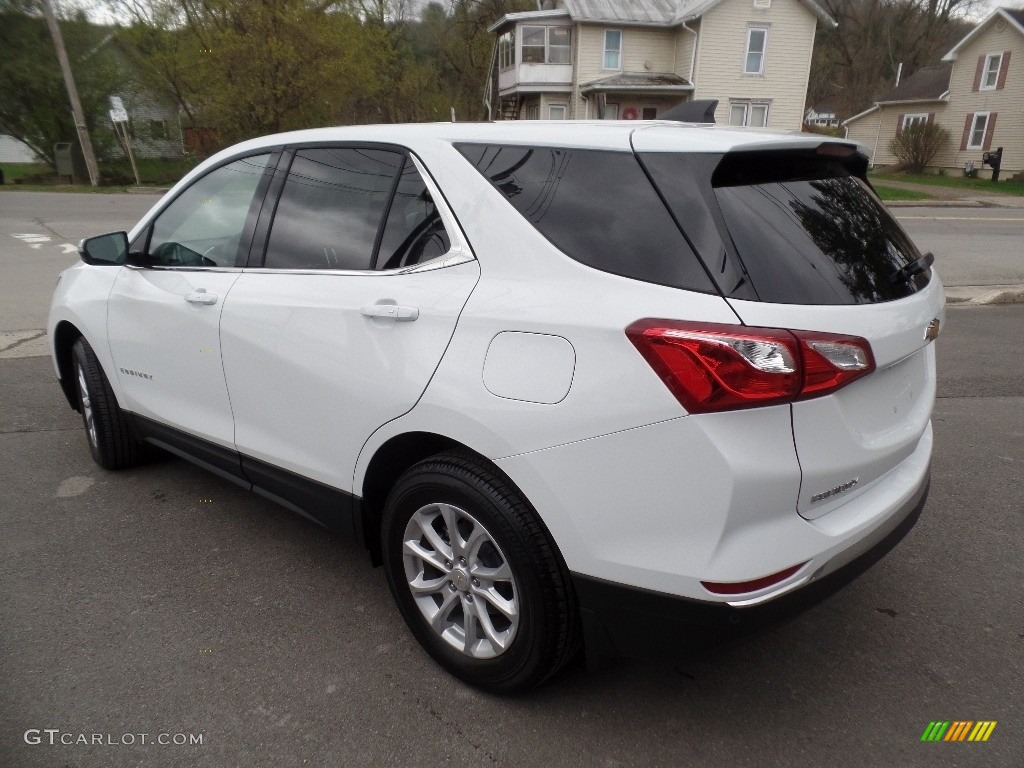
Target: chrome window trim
450,259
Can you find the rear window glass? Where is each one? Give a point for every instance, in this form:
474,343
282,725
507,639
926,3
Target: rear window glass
597,207
806,230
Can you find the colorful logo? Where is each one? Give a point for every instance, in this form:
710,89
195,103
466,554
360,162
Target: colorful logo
958,730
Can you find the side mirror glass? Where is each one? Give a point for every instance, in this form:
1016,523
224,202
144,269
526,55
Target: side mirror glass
105,250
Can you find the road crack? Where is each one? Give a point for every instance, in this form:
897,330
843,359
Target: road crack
19,342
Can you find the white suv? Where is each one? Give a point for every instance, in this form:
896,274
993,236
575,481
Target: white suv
609,384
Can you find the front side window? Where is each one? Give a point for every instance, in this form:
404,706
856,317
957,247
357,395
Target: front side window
533,44
990,75
331,208
203,226
757,44
556,112
978,127
612,49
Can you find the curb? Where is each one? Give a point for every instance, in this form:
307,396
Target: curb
936,204
984,295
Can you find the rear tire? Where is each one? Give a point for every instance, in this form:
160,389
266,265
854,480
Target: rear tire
476,575
112,441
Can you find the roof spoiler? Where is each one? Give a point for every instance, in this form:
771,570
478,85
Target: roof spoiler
698,111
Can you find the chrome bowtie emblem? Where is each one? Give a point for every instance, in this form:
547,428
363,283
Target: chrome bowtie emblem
931,332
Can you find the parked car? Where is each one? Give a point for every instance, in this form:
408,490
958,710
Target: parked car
613,385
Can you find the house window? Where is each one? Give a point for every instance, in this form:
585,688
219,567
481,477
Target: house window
556,112
610,112
757,43
158,129
762,3
650,113
507,50
546,45
612,49
990,75
911,120
559,45
750,114
533,112
533,44
976,140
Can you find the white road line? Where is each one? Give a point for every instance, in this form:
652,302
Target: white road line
31,239
68,248
954,218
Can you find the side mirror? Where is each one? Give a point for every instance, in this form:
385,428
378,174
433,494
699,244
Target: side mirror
105,250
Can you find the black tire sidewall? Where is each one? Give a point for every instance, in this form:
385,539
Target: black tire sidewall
508,670
86,368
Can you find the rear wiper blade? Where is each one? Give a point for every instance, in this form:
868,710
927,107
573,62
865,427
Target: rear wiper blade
915,267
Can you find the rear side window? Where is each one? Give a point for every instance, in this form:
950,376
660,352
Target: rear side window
414,232
597,207
805,229
331,208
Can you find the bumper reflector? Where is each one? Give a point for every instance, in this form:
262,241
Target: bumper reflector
742,587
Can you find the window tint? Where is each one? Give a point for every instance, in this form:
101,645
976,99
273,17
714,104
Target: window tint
203,226
331,208
597,207
414,232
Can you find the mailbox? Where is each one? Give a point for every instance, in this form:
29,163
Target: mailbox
993,159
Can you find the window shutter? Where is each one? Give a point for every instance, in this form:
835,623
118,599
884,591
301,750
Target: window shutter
990,128
980,71
931,118
1004,67
967,132
899,125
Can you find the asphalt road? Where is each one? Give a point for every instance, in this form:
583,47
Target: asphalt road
163,600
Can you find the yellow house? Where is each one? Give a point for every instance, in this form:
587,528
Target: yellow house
977,95
590,59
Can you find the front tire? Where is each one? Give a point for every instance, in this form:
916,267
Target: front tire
476,576
112,442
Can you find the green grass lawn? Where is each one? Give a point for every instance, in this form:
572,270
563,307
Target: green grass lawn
115,176
892,193
959,182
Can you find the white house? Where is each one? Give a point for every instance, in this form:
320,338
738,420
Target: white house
587,59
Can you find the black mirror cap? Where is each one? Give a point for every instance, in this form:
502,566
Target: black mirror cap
105,250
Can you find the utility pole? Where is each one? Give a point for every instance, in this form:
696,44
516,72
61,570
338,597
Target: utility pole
76,105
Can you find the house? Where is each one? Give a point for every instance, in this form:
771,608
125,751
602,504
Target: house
916,99
588,59
822,116
14,151
977,95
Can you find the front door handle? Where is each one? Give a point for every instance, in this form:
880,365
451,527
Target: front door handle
200,296
391,312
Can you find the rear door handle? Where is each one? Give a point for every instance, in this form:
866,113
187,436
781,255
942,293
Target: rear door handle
200,296
391,312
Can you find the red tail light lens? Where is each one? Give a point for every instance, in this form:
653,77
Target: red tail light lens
715,367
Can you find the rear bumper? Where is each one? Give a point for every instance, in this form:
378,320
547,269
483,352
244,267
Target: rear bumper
626,621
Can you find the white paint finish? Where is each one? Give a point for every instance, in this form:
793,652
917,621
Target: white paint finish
868,428
311,377
154,331
533,367
80,299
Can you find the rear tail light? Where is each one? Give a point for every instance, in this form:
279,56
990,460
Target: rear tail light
713,367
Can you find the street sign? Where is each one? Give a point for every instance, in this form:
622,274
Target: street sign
119,115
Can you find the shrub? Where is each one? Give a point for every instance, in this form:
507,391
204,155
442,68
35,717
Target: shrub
917,145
